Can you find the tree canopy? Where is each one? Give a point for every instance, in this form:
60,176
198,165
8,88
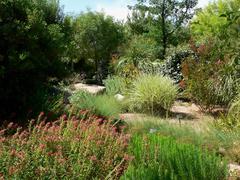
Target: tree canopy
98,37
31,46
163,19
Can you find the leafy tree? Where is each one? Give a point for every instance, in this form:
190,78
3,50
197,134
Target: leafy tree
164,19
31,46
215,19
220,21
98,36
139,49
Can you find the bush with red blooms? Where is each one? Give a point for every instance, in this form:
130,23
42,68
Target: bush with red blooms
208,76
67,148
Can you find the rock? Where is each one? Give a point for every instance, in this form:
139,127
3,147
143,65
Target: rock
195,108
93,89
234,170
119,97
152,131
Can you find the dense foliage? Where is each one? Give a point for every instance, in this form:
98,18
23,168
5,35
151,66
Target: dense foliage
96,37
213,77
115,85
162,20
32,43
167,59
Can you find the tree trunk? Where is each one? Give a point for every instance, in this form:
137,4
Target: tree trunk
164,33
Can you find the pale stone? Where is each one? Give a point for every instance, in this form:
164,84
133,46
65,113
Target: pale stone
119,97
93,89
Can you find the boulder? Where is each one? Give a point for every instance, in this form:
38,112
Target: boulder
234,170
93,89
119,97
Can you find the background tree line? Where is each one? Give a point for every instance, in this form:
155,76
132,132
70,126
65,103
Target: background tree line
39,42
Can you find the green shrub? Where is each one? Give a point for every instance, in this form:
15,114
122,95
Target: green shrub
47,100
127,71
139,49
152,94
211,78
170,67
115,85
68,148
32,45
157,157
234,110
107,106
83,100
102,105
232,120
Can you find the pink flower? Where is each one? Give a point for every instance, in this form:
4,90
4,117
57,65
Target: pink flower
2,132
128,158
13,152
42,147
93,158
99,142
41,114
23,135
12,170
2,140
64,117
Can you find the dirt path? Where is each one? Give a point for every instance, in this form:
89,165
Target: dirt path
181,113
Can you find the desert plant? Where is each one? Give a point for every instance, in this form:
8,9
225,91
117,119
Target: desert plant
152,94
102,105
157,157
68,148
115,85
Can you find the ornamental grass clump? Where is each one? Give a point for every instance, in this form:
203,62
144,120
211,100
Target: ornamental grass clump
68,148
152,94
102,105
158,157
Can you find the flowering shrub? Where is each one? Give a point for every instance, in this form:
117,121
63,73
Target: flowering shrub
211,79
68,148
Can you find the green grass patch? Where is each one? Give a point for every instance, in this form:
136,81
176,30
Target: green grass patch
102,105
158,157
